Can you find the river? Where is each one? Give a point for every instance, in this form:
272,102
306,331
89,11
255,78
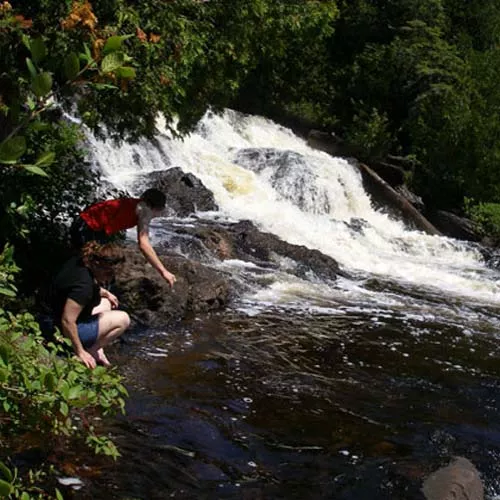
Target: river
301,388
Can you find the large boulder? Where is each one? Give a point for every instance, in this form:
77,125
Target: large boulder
454,226
151,301
245,242
185,193
459,480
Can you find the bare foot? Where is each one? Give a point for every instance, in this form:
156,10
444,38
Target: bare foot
100,357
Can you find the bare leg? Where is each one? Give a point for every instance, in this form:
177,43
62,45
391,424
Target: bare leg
111,325
98,354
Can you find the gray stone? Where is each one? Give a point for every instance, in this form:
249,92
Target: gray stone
151,301
185,193
459,480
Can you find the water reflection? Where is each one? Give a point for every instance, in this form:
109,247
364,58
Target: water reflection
289,404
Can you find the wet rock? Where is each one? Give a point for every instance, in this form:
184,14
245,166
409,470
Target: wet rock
185,193
245,242
149,298
490,255
454,226
458,481
414,199
258,159
327,142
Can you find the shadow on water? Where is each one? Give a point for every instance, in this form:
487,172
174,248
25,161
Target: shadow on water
288,404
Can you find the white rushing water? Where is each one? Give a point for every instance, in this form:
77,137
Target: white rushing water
260,171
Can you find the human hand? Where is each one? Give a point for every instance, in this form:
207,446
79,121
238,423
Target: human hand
169,277
113,300
87,359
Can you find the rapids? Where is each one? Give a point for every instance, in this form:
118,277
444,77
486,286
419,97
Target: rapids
305,388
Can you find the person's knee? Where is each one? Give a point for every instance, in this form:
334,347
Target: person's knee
104,306
125,319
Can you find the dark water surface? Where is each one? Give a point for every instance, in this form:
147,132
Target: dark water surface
295,404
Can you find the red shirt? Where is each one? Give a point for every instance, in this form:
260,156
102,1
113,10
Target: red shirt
112,216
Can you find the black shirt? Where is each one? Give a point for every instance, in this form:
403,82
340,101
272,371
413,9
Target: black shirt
75,281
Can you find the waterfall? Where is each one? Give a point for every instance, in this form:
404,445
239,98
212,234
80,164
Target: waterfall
260,171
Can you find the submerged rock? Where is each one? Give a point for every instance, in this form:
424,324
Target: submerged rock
458,481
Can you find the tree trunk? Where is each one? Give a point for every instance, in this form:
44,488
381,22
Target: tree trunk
395,199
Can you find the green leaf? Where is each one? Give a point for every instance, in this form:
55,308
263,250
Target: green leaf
46,159
25,496
114,43
38,50
50,381
12,149
6,473
126,72
88,54
71,66
31,103
6,291
64,389
112,62
5,488
31,67
35,169
64,408
59,495
4,354
75,392
26,41
39,126
41,84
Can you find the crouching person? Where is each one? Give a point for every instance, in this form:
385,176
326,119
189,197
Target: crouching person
84,311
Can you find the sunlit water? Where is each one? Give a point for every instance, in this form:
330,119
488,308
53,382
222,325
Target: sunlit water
305,388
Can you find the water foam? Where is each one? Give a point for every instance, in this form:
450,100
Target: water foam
260,171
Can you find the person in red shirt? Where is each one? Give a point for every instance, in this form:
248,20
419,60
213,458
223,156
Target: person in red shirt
102,220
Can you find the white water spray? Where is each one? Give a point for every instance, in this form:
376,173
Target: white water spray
260,171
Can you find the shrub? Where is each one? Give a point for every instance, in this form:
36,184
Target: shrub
486,216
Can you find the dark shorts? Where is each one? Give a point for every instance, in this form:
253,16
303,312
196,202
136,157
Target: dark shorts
81,233
88,331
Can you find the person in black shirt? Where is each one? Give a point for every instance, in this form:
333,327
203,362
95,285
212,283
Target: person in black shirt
83,310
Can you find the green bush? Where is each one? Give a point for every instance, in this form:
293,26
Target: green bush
486,216
42,391
48,396
368,136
